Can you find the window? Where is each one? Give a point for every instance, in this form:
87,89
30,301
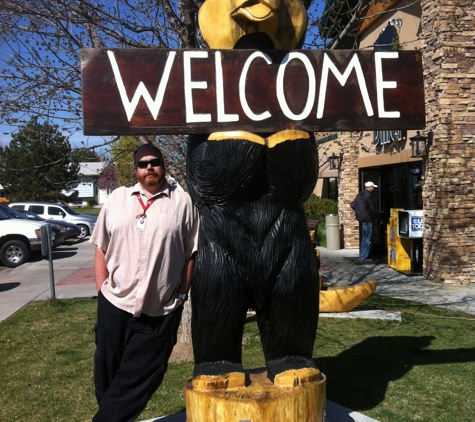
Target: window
37,209
330,188
55,211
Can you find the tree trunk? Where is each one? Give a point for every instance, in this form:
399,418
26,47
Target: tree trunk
185,332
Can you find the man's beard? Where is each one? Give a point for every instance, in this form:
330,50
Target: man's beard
150,179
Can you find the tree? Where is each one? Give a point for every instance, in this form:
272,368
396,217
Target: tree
84,155
41,39
108,178
122,155
37,163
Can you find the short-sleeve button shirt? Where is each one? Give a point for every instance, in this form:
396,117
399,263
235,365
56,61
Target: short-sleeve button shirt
145,266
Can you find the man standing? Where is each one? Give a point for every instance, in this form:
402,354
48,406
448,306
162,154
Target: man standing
146,238
366,209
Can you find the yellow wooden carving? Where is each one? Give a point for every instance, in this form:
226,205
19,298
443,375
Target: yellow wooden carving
294,395
297,395
238,134
223,23
345,298
271,141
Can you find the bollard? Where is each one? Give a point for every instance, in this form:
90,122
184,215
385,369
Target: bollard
332,227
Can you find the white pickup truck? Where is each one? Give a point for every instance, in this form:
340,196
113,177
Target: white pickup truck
18,237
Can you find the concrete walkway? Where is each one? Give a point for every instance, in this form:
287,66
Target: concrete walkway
343,268
74,277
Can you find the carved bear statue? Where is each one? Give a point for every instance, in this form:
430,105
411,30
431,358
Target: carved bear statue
254,247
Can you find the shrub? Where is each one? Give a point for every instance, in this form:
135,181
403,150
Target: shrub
91,202
316,209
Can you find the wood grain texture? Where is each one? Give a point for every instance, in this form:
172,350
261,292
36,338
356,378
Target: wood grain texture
344,110
300,397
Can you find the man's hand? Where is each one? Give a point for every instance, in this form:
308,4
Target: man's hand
175,305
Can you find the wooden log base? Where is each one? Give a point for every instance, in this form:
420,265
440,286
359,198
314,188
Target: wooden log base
295,396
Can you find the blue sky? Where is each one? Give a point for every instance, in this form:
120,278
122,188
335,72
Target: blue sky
77,139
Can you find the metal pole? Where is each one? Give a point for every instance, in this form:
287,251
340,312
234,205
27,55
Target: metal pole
50,256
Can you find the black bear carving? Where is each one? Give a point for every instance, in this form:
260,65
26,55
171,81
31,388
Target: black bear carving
254,247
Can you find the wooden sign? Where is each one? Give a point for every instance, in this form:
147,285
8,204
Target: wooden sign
159,91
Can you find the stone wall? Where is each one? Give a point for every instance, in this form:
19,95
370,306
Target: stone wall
448,33
348,188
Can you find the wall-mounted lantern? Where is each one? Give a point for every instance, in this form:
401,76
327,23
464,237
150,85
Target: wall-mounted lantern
420,144
335,161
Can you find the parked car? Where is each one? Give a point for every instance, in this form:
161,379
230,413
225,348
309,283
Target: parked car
67,230
18,237
58,239
51,211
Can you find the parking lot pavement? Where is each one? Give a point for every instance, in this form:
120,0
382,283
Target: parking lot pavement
73,276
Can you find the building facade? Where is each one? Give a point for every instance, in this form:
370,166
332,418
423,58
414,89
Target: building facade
87,187
439,182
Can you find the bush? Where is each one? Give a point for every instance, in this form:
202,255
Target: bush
316,209
91,202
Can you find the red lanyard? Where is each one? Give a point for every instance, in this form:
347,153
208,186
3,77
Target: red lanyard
145,207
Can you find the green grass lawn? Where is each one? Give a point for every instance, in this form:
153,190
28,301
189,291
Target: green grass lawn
94,211
421,369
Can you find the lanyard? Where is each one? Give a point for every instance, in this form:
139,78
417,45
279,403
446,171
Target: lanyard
145,207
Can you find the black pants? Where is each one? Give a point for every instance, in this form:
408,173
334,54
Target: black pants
130,360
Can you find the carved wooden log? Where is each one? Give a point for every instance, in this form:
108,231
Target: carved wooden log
296,395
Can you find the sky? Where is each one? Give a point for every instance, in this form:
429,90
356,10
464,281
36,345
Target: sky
77,139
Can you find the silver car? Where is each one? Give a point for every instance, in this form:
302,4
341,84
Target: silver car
52,211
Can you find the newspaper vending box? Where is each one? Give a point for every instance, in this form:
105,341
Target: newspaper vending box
410,226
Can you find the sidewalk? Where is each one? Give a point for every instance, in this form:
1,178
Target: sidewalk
74,277
342,268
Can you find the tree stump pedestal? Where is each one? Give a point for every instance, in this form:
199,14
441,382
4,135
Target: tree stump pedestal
295,396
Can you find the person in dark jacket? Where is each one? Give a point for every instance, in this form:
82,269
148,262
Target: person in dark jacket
366,209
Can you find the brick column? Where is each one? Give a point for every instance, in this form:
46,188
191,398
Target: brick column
348,188
449,170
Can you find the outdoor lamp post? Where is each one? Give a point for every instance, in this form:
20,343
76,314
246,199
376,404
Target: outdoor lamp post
420,144
334,162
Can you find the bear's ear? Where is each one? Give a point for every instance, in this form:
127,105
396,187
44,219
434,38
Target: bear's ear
307,3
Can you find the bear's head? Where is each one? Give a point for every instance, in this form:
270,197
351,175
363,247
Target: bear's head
279,24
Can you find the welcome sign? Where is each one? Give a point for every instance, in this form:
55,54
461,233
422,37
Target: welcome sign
160,91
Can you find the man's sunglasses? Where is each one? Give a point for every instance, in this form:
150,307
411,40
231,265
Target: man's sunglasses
144,164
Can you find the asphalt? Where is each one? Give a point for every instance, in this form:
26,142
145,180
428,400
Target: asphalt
72,269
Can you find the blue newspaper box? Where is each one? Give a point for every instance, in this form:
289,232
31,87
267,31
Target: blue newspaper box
410,226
